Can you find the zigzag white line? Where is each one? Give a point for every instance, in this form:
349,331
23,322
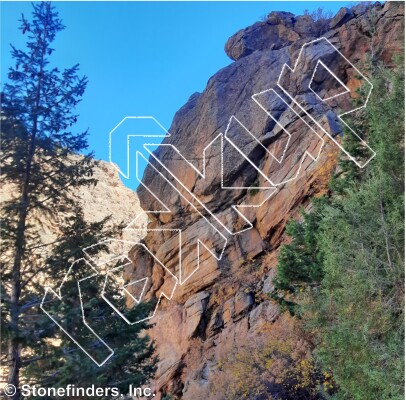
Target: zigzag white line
165,209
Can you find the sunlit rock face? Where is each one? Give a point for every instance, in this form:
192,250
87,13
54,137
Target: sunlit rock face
108,198
224,304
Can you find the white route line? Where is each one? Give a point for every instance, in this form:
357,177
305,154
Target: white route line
347,90
59,295
340,115
272,189
126,175
199,242
162,294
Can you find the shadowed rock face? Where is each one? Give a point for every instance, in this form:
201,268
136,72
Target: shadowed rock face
223,304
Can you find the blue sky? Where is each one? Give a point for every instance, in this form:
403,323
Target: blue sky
141,58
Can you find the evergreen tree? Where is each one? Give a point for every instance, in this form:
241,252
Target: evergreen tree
41,165
299,262
58,361
355,312
38,104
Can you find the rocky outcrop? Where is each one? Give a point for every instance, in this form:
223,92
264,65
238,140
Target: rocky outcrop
109,198
282,29
224,304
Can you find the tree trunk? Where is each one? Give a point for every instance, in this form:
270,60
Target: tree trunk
14,348
15,344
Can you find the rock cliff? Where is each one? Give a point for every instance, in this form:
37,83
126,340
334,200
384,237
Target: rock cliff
224,304
108,198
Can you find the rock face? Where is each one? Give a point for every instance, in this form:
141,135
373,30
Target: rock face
223,304
108,198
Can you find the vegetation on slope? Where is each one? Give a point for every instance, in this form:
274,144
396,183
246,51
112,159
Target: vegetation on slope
343,273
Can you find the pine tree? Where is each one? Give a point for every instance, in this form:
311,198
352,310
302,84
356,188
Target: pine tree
41,166
38,104
299,262
58,361
355,314
359,312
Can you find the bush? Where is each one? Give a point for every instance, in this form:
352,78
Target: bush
276,365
